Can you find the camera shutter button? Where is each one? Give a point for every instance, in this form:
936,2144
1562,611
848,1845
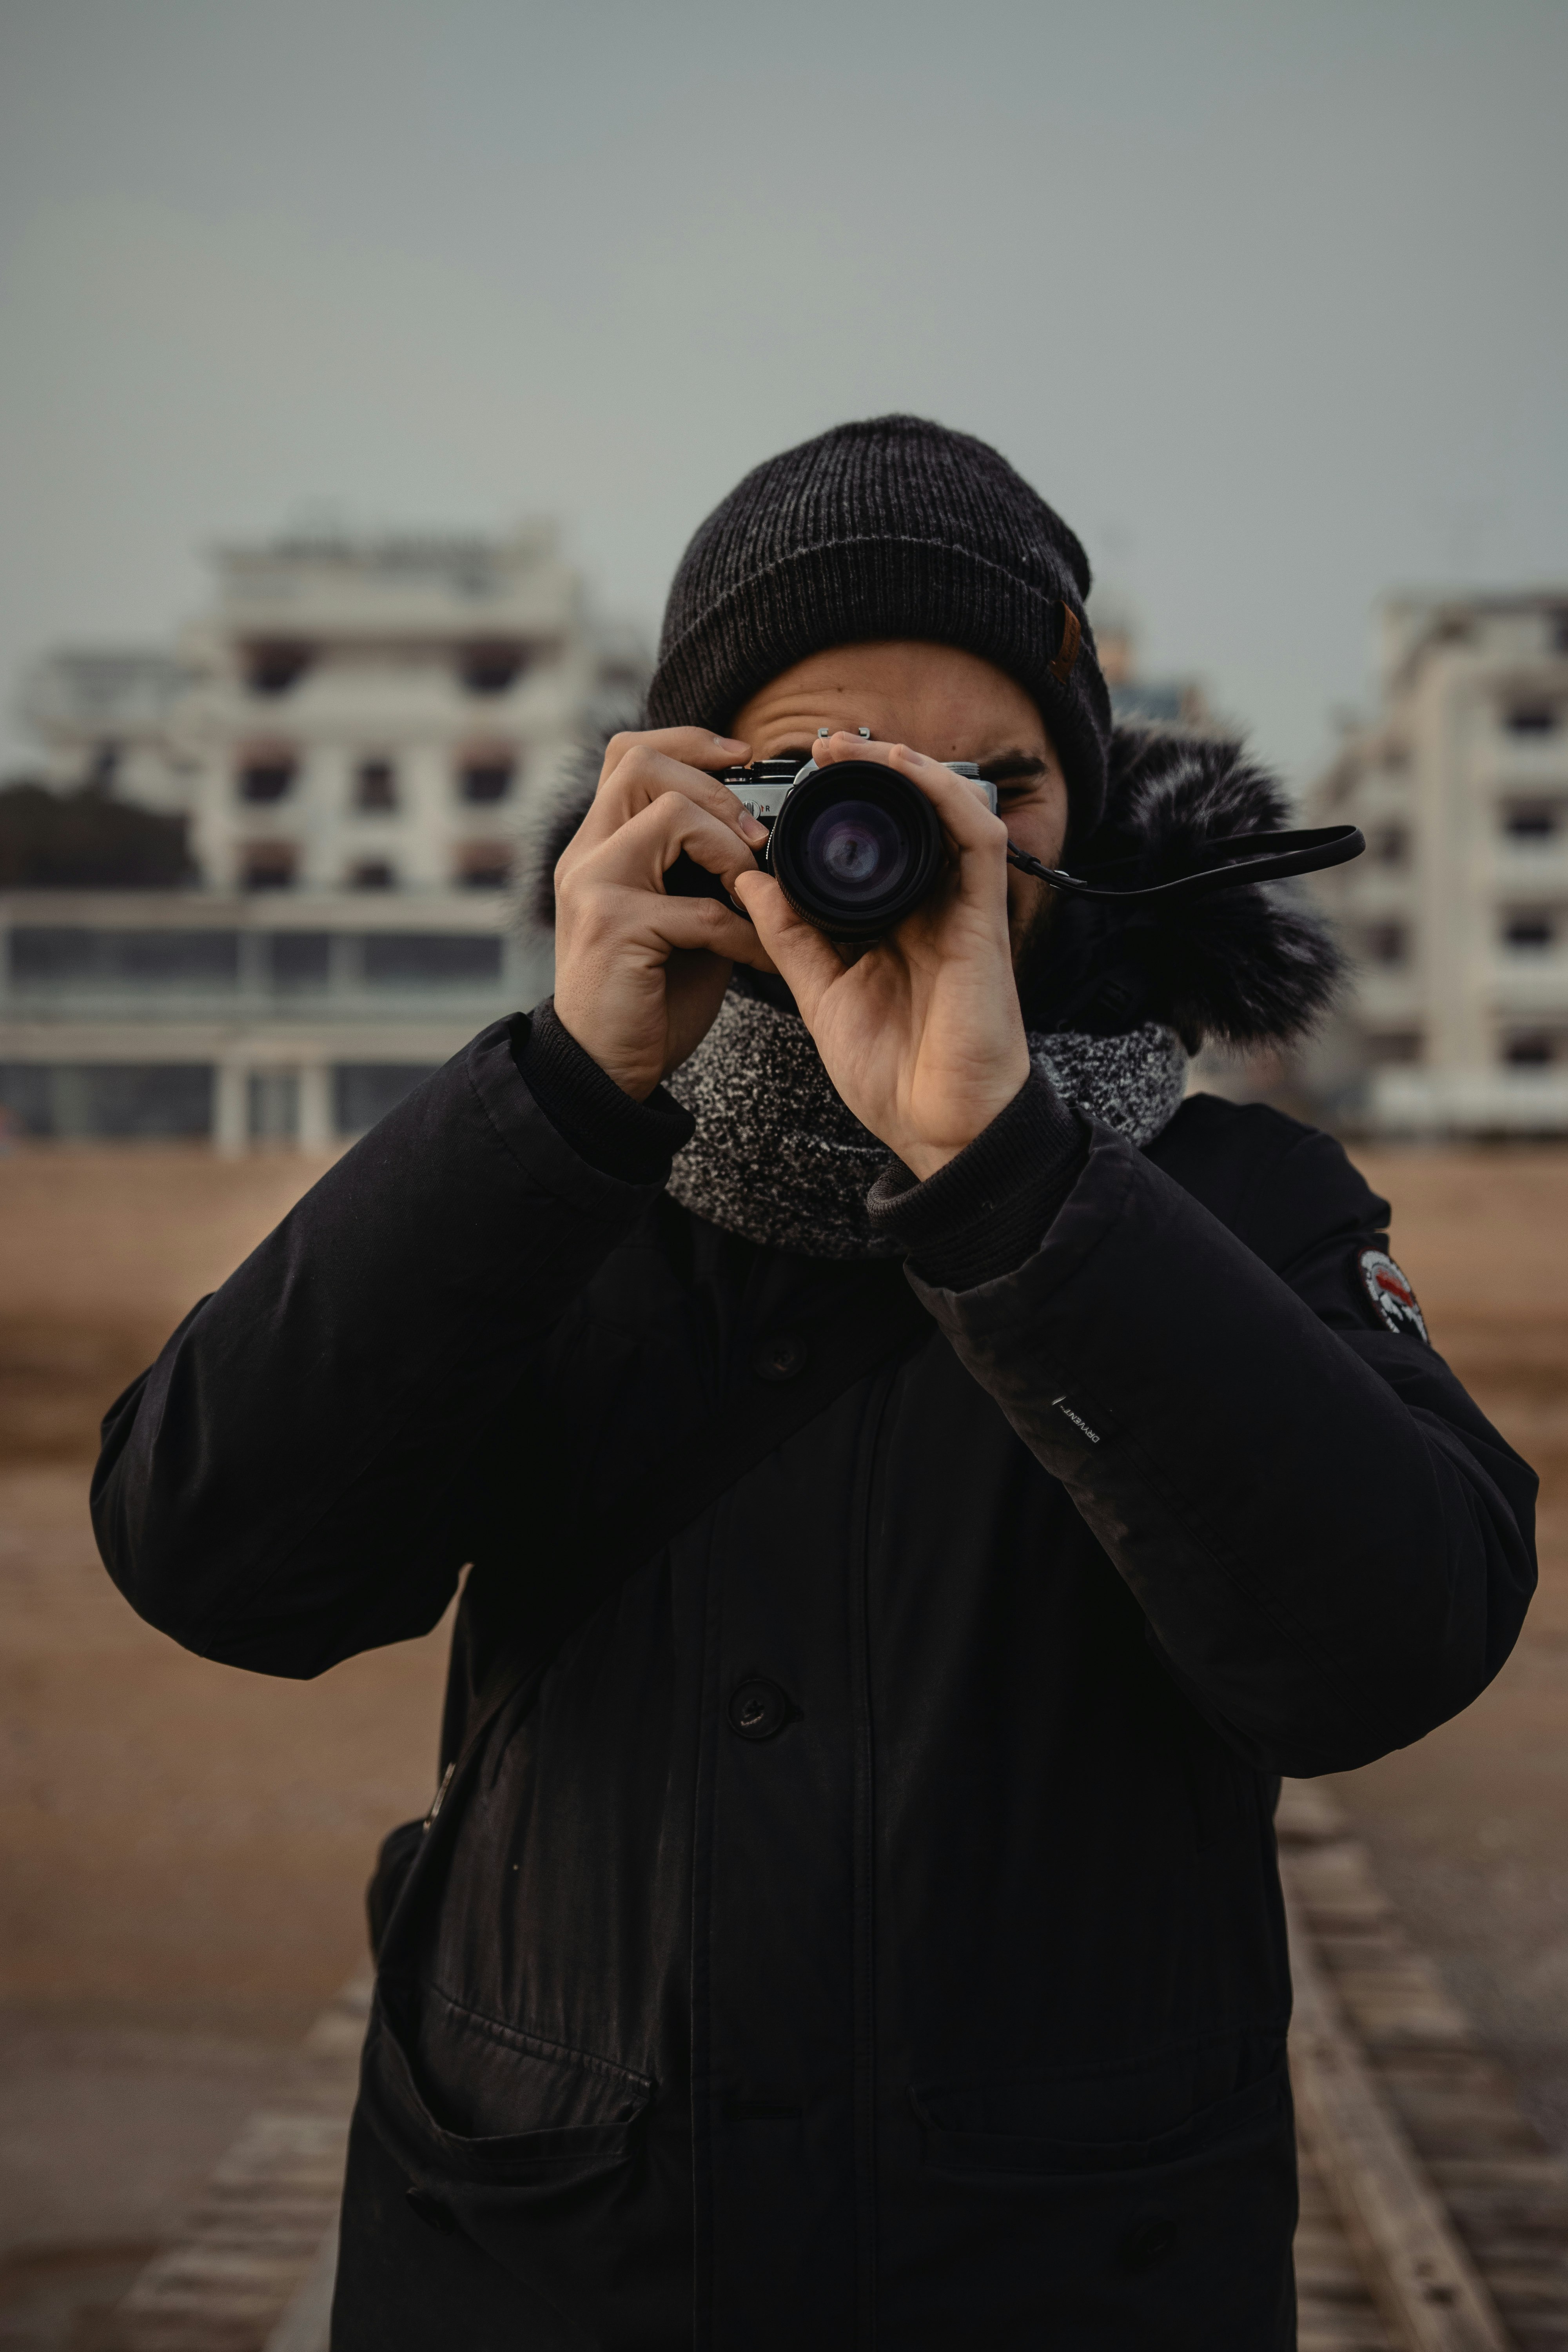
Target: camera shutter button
758,1709
780,1359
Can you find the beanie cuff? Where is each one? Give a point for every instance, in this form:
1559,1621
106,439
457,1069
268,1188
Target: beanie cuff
854,591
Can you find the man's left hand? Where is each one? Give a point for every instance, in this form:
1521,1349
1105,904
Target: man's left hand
921,1036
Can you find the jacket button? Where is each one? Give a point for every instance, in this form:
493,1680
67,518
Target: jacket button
780,1359
432,2212
758,1709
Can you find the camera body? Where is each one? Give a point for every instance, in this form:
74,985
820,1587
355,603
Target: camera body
854,846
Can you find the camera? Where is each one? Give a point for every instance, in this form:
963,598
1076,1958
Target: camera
854,846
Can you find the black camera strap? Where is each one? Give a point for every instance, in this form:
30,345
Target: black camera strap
755,1419
1239,858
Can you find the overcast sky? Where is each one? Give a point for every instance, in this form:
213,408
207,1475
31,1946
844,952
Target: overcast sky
1270,300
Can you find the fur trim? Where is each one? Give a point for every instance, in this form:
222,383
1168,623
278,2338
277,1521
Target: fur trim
549,823
1247,967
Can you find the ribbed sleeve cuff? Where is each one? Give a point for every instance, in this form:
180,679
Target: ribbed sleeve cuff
987,1210
635,1141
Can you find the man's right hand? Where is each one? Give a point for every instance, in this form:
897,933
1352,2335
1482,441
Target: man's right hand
639,976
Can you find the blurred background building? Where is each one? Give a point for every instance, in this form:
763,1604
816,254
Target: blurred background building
1458,916
1166,701
312,808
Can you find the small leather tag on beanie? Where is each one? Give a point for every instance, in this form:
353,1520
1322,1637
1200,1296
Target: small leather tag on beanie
1067,652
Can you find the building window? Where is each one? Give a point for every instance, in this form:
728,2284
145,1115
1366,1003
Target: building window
300,958
487,777
1531,1049
268,865
485,865
1391,1049
493,667
1538,821
267,776
1532,719
66,955
1390,844
111,1098
375,787
1529,933
1384,943
372,874
417,958
274,668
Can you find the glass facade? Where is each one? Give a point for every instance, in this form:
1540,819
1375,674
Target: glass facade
111,1099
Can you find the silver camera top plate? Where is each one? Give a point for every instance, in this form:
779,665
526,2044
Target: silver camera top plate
763,788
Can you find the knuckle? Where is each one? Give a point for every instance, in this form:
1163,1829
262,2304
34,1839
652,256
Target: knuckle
624,771
594,925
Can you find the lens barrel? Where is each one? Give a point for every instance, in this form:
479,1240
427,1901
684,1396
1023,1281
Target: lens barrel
855,848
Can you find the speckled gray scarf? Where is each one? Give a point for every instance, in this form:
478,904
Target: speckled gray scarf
779,1159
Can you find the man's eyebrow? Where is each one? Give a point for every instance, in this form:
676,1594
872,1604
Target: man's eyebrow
1012,767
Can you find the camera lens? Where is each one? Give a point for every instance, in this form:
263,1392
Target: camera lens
854,850
855,847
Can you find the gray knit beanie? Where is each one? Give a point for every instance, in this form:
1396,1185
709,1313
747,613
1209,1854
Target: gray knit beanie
892,527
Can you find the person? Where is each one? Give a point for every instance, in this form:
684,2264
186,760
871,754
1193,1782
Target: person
923,1476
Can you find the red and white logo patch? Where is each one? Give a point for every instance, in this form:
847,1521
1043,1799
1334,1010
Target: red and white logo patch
1391,1294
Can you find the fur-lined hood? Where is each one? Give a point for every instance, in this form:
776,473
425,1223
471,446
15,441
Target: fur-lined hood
1247,967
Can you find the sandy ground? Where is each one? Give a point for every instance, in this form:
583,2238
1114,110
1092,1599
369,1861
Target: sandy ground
182,1847
1470,1829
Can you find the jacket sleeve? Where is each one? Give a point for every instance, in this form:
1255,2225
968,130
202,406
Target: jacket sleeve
1332,1546
284,1486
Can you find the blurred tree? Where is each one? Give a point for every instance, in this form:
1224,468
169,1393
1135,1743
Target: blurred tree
83,840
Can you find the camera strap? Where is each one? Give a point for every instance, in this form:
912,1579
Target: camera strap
1239,858
758,1414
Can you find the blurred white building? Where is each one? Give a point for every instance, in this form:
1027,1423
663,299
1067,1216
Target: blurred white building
1458,916
350,713
352,731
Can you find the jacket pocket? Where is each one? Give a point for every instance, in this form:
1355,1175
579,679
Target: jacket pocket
1149,2207
467,2102
1051,2153
498,2081
519,2151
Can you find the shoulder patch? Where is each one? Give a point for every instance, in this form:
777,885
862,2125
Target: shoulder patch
1391,1294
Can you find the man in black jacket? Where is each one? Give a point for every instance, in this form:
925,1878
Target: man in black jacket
924,1481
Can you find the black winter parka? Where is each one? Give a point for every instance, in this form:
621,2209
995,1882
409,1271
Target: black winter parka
952,2012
